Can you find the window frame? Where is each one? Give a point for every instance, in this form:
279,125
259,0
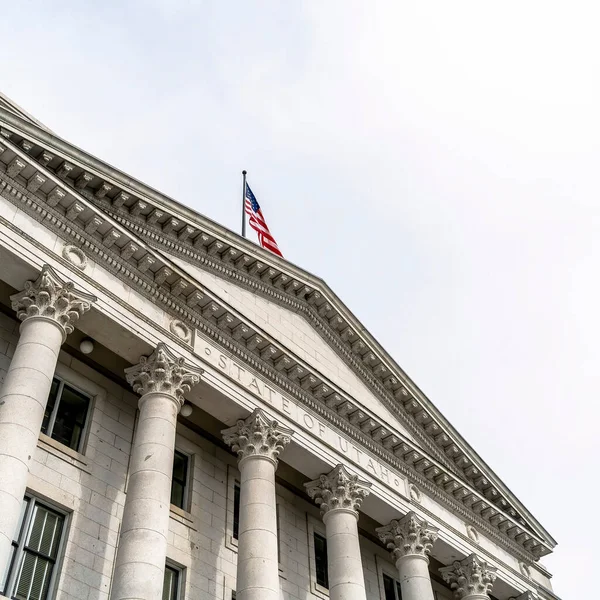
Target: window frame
180,583
315,526
16,564
62,381
387,569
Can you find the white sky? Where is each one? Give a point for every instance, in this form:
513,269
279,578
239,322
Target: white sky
436,163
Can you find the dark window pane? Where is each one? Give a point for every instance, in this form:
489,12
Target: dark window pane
70,417
180,467
44,534
321,561
50,404
177,491
170,584
236,511
399,590
388,588
34,578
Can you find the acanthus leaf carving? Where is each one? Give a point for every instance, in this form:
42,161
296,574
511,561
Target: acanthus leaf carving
471,576
409,535
339,489
51,297
163,372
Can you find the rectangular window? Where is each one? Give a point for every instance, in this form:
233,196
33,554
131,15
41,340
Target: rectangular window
321,570
66,414
236,510
34,553
171,584
391,588
179,481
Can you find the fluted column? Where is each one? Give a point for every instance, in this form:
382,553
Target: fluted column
340,495
470,579
48,308
162,379
258,441
410,540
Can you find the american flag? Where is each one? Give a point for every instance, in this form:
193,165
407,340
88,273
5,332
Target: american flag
258,223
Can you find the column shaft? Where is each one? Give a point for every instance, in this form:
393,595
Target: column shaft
415,581
258,568
346,580
142,551
23,400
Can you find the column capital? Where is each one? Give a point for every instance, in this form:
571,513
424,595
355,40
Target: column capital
340,489
470,577
52,298
163,372
407,536
257,436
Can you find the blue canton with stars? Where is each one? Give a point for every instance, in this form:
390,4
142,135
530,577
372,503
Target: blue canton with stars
252,198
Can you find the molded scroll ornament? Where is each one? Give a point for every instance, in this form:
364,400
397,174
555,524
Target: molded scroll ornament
415,493
180,329
163,372
472,533
53,298
408,535
258,436
75,256
338,490
470,577
525,569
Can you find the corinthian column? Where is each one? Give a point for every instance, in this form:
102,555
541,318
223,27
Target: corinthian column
162,379
258,441
48,308
340,495
470,578
410,540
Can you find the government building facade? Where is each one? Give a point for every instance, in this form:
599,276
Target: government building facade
186,416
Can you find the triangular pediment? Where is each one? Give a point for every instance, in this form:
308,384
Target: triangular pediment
226,284
295,333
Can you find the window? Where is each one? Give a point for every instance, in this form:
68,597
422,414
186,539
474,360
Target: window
236,510
391,588
179,481
66,414
321,561
171,583
32,564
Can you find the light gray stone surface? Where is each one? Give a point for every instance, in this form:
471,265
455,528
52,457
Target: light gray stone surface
339,495
47,307
162,379
258,441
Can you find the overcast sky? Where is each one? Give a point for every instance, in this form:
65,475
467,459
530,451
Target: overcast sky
435,163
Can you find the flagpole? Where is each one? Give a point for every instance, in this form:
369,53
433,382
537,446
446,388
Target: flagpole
244,203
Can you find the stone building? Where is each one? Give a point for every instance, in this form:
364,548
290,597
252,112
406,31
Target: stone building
186,416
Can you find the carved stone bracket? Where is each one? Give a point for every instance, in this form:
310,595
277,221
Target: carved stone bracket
340,489
258,435
51,297
163,372
409,535
470,577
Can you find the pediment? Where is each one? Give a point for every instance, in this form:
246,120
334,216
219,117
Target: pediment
295,333
228,287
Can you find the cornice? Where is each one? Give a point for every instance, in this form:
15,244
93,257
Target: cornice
63,208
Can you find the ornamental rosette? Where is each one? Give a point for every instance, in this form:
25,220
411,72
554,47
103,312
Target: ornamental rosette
470,577
53,298
258,435
408,536
338,490
163,372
